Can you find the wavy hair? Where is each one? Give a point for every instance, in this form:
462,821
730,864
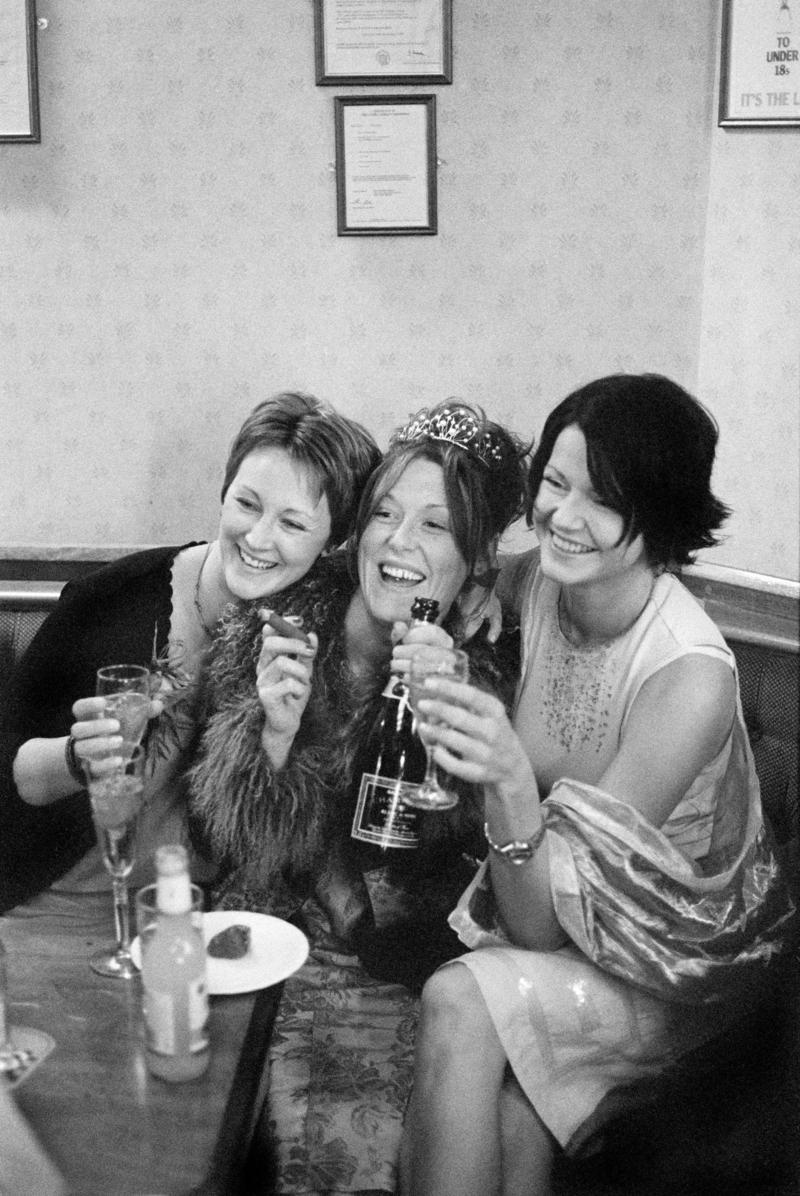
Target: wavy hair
485,491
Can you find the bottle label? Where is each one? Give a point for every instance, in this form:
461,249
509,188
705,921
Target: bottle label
381,816
177,1024
174,893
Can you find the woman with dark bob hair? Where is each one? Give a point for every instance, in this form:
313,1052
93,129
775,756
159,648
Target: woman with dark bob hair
650,449
629,904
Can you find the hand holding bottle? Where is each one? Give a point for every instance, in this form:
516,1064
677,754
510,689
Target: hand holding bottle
392,758
412,639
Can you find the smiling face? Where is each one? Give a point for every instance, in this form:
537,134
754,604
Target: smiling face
407,549
274,524
580,536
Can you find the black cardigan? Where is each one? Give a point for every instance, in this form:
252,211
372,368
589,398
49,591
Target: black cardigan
119,613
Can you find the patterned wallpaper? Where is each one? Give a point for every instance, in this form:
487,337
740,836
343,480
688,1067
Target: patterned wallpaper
168,254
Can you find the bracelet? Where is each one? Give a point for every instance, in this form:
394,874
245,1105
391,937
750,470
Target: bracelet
71,760
516,851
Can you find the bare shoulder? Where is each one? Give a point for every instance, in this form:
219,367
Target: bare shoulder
678,724
696,682
514,568
690,703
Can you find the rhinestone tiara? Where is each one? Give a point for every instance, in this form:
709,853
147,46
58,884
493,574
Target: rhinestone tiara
454,425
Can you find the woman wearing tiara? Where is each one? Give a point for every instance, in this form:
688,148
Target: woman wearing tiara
272,792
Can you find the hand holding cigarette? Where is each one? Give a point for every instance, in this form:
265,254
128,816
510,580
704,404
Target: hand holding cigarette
283,626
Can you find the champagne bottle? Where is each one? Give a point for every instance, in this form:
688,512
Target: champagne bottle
175,1002
391,759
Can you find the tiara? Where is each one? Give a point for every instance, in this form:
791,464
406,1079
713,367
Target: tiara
454,425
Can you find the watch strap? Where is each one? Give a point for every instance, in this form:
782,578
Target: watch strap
71,760
515,851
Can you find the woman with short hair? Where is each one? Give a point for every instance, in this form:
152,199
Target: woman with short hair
292,482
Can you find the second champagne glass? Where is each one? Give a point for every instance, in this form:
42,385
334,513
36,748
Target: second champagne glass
126,689
115,786
439,662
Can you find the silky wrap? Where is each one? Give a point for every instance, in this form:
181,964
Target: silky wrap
639,909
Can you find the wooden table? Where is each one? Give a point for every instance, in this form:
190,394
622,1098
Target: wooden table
111,1128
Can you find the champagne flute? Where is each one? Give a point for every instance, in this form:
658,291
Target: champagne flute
433,662
126,690
115,786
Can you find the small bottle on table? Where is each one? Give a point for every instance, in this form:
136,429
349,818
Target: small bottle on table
175,1002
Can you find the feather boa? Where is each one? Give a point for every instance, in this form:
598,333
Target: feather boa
274,826
276,836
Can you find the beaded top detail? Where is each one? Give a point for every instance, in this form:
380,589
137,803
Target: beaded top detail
454,425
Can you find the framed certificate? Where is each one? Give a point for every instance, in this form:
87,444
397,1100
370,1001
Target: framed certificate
760,67
19,87
385,165
383,41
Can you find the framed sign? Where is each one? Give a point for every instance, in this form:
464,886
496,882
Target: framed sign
760,67
383,41
19,85
385,165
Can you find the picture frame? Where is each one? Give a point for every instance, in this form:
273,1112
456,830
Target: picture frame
19,80
383,43
760,64
386,165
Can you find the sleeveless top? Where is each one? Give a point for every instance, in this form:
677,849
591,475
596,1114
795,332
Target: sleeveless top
573,702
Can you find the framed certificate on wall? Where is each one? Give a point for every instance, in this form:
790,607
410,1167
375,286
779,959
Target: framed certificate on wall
386,165
760,65
383,41
19,85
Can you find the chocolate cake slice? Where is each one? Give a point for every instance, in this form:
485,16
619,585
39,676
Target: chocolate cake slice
231,943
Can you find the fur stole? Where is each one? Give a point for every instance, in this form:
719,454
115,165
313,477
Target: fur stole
277,837
271,827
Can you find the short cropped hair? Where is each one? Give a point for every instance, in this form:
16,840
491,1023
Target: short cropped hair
485,492
340,452
650,450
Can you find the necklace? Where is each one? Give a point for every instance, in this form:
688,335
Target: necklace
198,606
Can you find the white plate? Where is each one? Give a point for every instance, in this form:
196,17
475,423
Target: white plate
30,1047
277,949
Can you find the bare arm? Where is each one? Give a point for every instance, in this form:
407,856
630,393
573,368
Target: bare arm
677,725
40,766
40,771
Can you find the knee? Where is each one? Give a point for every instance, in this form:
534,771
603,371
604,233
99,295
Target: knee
451,1000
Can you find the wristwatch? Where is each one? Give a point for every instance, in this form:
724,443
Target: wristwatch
516,851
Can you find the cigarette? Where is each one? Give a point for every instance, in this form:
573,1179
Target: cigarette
284,627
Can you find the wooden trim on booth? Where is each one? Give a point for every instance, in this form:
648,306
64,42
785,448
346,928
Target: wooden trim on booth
750,607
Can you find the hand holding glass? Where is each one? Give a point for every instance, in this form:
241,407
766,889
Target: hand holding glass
126,690
115,786
433,662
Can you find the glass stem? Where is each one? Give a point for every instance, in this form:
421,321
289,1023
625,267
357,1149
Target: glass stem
5,1045
122,923
431,779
